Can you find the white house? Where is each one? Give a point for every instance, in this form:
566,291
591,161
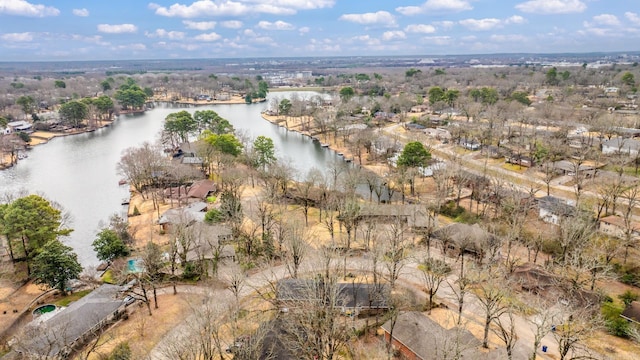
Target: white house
553,209
19,126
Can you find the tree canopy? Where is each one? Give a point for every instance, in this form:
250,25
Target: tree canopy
130,95
180,125
265,151
346,93
414,154
55,265
109,246
32,221
224,143
210,120
27,104
73,112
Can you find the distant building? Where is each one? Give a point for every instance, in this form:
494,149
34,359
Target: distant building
553,209
620,145
614,225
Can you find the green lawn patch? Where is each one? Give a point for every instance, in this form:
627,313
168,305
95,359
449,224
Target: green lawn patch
65,301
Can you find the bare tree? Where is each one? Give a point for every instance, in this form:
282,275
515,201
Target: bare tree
395,243
506,331
297,246
577,326
434,273
491,296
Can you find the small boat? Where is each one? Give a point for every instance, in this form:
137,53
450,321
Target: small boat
122,182
125,201
324,145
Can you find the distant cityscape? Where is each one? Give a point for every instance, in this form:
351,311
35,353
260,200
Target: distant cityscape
314,66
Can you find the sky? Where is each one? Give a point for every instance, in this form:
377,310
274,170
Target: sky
40,30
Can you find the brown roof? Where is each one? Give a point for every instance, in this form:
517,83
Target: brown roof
619,222
632,312
425,337
201,189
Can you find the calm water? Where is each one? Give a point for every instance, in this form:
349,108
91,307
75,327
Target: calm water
79,171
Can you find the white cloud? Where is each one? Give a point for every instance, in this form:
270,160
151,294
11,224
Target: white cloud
515,19
80,12
552,6
17,37
199,25
96,39
232,24
420,28
508,38
481,24
202,8
24,8
377,18
164,34
132,47
435,6
633,17
249,32
366,40
304,30
117,29
208,37
446,24
393,35
606,19
278,25
438,40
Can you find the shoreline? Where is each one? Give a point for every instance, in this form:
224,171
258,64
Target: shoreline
295,125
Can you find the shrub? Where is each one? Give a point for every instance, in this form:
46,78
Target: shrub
122,351
615,324
628,296
136,212
452,210
213,216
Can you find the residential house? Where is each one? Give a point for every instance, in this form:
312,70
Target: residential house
438,133
214,246
552,209
566,167
614,225
187,215
470,239
414,127
470,144
550,287
418,337
494,152
353,299
519,159
19,126
413,215
621,145
202,189
75,325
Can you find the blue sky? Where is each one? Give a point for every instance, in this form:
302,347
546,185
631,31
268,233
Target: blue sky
135,29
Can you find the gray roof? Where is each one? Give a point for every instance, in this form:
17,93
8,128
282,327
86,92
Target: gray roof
556,206
623,144
348,295
189,214
66,327
473,236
